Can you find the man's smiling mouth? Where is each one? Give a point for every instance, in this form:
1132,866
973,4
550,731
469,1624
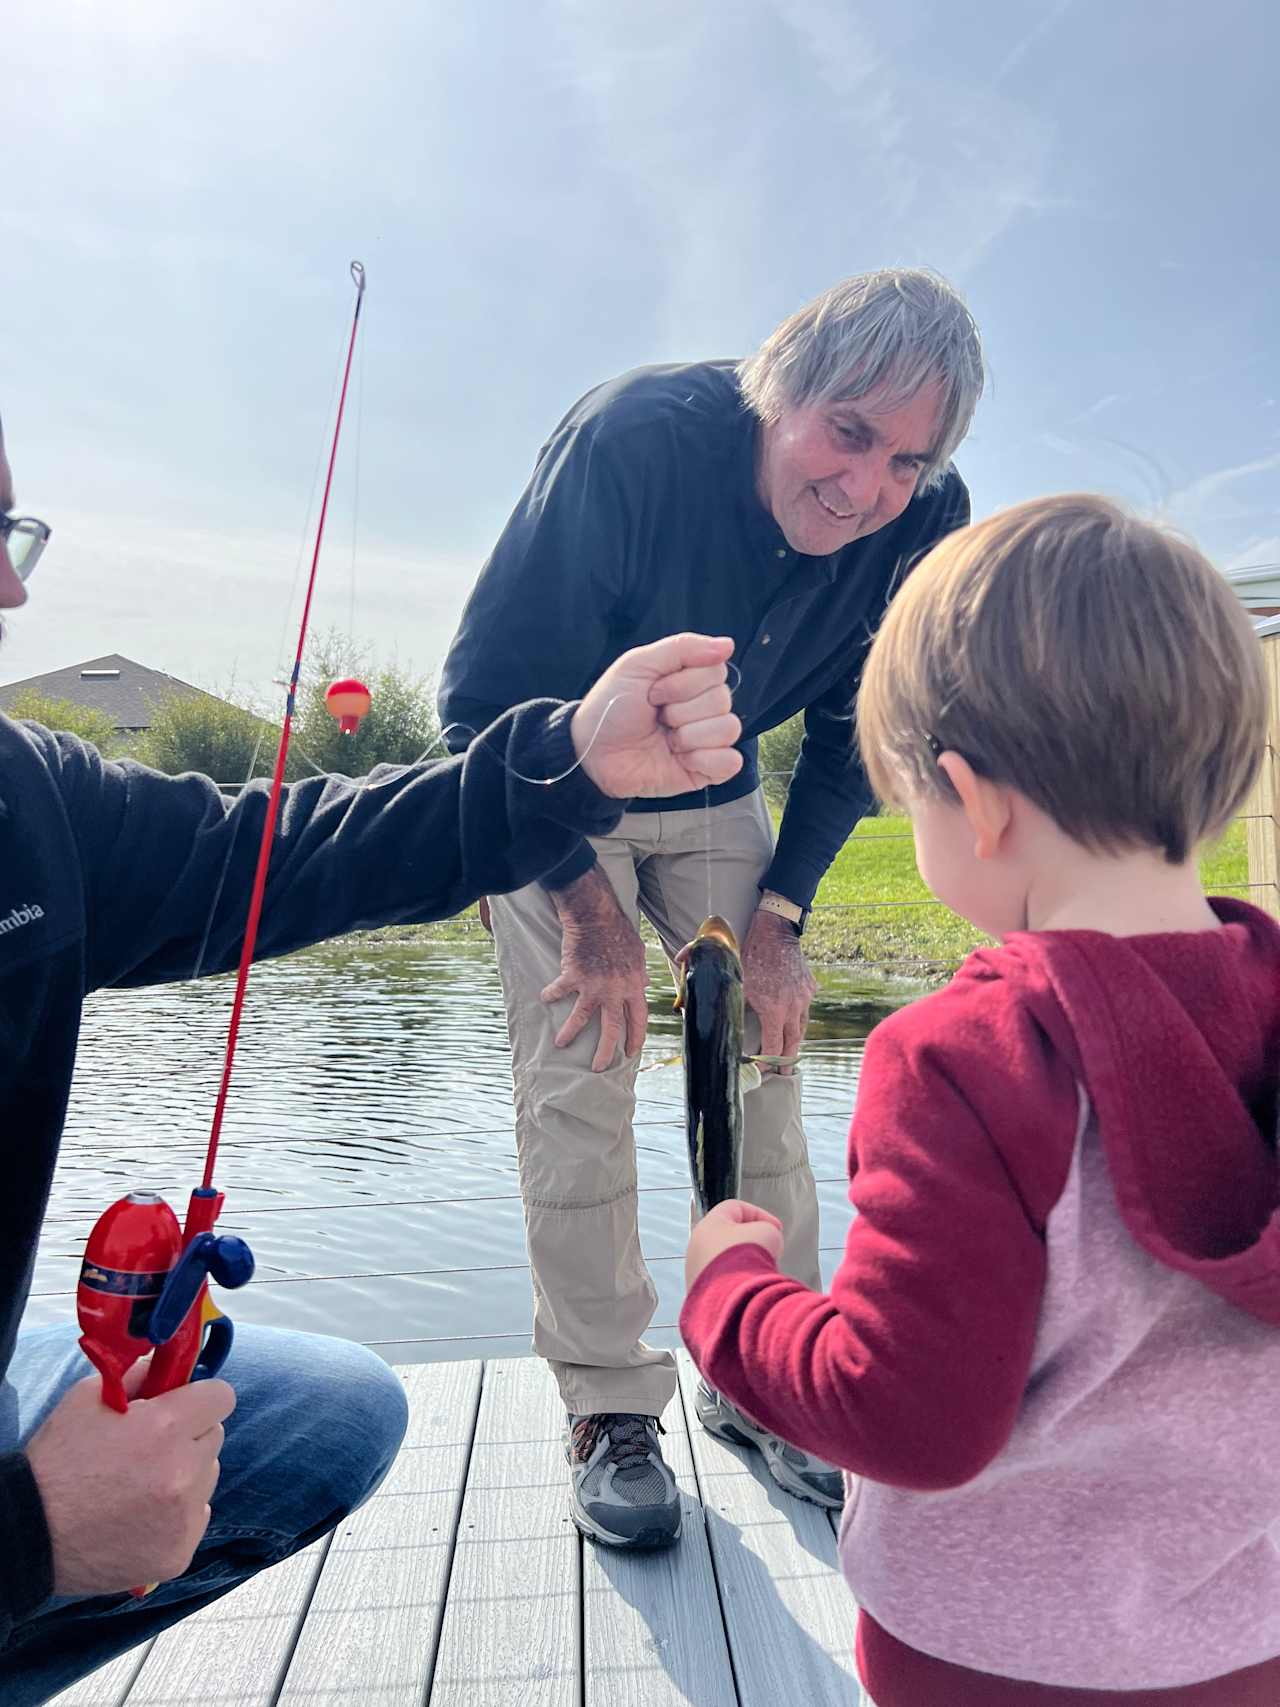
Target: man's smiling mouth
836,515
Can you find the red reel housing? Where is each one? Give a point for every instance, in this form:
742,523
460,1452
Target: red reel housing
126,1263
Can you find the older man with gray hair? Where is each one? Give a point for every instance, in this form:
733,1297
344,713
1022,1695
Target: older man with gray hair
779,500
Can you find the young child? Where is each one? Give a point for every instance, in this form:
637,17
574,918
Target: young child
1051,1352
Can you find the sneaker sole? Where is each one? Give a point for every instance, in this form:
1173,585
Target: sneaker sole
789,1485
647,1541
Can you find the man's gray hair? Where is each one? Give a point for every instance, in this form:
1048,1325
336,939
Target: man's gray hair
901,328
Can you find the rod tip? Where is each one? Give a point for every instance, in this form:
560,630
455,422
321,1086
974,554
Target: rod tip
357,275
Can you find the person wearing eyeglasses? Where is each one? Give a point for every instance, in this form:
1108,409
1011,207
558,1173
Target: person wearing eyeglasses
23,539
109,875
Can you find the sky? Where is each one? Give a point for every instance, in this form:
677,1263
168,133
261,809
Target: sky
547,193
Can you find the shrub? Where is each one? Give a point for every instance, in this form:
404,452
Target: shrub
64,714
399,728
779,750
192,732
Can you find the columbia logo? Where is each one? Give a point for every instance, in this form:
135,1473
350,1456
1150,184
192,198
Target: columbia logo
18,917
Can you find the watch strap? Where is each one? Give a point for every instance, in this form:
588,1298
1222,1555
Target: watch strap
794,914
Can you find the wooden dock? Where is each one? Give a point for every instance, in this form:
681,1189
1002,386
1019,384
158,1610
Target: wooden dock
463,1583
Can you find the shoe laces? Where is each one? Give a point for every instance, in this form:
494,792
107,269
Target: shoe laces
629,1443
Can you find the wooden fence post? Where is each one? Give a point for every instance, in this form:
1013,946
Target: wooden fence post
1262,809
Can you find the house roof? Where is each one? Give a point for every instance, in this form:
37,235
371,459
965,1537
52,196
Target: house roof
1257,588
125,690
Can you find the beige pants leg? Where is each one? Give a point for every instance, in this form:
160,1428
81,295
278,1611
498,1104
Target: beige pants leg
593,1297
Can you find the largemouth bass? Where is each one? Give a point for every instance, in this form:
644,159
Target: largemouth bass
710,998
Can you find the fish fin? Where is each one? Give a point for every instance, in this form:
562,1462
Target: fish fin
750,1076
671,1061
774,1060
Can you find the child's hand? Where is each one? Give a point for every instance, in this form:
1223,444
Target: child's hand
731,1223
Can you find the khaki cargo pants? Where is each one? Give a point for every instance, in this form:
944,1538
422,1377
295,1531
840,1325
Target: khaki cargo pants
593,1296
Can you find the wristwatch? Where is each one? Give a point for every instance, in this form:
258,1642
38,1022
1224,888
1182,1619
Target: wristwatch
795,916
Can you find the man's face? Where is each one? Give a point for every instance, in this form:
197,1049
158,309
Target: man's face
12,591
834,472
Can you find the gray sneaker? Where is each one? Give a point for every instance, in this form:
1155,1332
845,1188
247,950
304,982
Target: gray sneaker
623,1493
796,1472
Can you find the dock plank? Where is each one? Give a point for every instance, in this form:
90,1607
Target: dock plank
512,1624
234,1651
653,1635
106,1687
789,1617
371,1631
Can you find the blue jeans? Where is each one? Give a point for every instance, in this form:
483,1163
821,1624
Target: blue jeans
316,1426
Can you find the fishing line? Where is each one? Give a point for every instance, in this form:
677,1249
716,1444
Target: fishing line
477,739
305,531
355,501
303,535
706,797
282,753
198,968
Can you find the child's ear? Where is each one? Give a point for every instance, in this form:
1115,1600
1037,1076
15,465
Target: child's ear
985,804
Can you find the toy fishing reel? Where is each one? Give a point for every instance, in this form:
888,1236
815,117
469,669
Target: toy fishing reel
144,1288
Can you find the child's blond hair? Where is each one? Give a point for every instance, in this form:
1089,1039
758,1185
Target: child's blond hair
1096,663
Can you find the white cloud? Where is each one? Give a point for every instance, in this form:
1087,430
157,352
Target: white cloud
212,606
1021,48
1213,497
773,147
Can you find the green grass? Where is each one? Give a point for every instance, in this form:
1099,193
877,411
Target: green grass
877,865
872,907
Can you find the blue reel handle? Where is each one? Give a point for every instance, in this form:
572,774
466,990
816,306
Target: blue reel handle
216,1348
224,1257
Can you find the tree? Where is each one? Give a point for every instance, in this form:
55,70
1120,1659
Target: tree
232,742
64,714
190,732
779,750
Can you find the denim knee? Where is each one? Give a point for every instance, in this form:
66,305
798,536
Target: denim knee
377,1417
359,1424
317,1425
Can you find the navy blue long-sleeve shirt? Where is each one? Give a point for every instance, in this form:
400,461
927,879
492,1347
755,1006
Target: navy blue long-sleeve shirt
642,520
111,874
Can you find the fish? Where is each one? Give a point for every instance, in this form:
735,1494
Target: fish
717,1075
716,1072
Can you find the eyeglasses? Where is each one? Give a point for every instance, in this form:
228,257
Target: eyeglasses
25,538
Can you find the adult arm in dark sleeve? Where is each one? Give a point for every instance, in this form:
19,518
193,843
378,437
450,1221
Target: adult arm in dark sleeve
26,1552
540,619
829,791
168,864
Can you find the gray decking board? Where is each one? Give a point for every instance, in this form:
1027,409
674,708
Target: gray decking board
109,1685
242,1641
464,1574
652,1631
512,1625
372,1626
789,1617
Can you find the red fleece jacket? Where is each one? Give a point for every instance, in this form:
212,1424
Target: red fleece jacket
914,1369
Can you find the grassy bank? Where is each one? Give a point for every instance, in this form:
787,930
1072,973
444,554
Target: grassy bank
873,908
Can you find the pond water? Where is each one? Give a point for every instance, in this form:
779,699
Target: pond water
368,1153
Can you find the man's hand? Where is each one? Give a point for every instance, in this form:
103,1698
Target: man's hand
127,1497
728,1224
659,722
777,984
602,963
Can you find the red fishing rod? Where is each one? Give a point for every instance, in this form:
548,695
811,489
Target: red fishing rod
144,1284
